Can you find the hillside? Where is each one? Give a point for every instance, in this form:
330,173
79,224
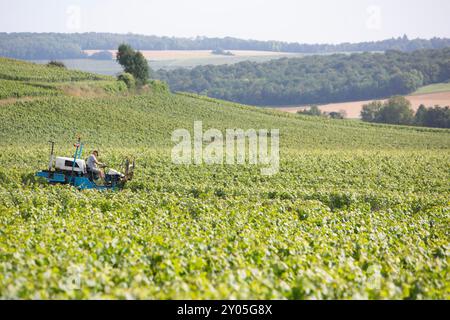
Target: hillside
315,79
356,210
433,88
20,79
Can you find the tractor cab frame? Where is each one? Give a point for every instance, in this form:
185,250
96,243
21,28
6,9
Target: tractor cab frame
73,171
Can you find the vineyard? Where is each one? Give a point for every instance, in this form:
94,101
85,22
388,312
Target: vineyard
20,79
357,211
23,71
15,89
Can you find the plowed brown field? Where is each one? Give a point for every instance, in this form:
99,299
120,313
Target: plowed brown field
353,108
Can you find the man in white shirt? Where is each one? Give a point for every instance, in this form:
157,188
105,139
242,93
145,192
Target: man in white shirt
92,164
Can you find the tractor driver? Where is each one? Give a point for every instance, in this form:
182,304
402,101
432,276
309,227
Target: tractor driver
92,164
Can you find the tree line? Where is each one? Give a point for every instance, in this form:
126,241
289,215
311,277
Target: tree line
315,111
36,46
397,110
135,66
315,79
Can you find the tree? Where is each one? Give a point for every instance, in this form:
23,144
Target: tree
57,64
314,79
421,115
128,79
406,82
134,63
397,110
437,117
315,111
371,110
312,111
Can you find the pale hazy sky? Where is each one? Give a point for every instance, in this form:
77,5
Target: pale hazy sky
313,21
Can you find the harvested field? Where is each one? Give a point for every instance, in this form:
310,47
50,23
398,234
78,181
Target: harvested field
353,108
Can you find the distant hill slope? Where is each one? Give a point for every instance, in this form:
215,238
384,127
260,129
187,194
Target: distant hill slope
148,119
34,46
315,79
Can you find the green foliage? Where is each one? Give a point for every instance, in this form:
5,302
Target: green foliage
370,111
22,79
336,115
15,89
25,71
397,110
134,63
315,111
315,79
57,64
128,79
331,225
147,119
406,82
158,86
436,116
94,87
421,115
114,86
358,210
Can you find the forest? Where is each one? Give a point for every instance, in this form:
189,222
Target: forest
35,46
315,79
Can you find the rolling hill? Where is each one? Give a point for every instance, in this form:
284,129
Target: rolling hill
356,210
315,79
35,46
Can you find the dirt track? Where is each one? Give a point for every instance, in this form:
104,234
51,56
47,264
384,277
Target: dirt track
353,109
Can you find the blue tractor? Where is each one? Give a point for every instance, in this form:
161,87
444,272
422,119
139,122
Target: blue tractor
73,171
